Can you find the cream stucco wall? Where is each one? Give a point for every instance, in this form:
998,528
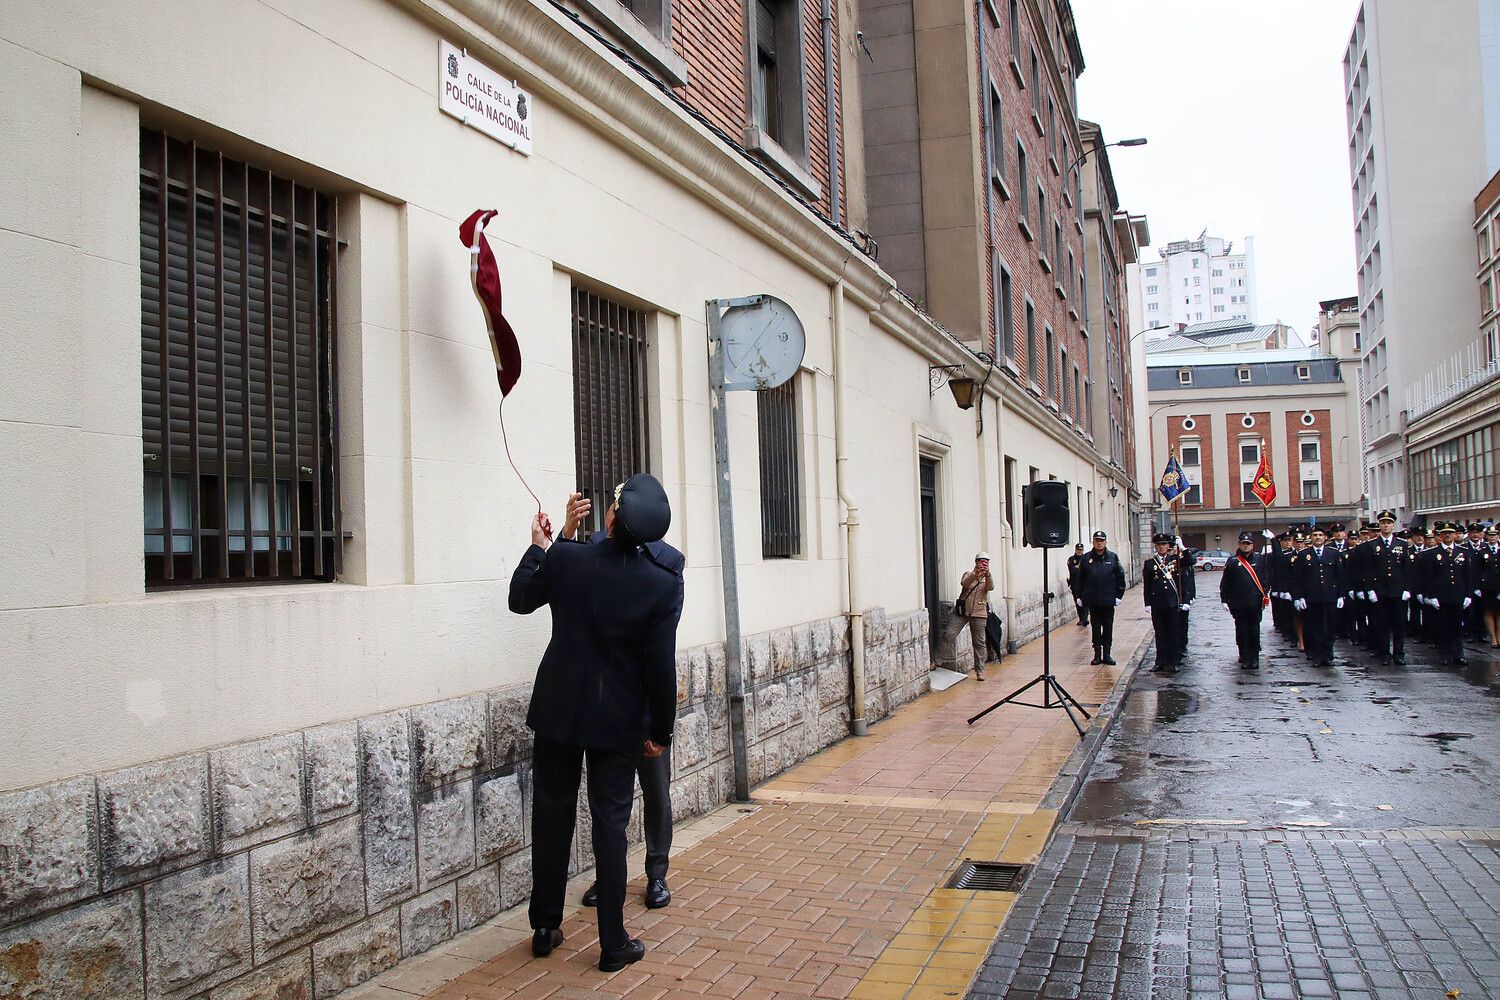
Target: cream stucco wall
99,673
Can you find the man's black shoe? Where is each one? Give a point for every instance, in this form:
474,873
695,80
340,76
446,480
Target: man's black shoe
1109,659
615,959
657,894
591,895
544,939
1098,657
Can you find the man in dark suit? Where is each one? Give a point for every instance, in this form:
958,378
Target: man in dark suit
1447,575
1101,584
654,773
1384,569
1243,591
606,690
1318,586
1075,585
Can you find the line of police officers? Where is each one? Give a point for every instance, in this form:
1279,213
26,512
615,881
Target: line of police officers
1373,588
1376,586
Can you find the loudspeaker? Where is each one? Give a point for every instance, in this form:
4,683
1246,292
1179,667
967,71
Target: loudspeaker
1044,514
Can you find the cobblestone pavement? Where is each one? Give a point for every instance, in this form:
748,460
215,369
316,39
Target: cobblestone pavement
1296,833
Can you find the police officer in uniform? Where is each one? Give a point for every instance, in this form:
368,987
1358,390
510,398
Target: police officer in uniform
1318,584
1385,572
1488,574
1163,593
1338,540
1278,573
606,691
1101,584
1447,579
1075,588
1187,577
1474,627
1243,591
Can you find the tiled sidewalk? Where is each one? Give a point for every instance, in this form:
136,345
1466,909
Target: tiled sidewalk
826,885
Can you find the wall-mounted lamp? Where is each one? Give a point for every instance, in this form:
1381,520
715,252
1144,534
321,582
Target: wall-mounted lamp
958,382
1114,491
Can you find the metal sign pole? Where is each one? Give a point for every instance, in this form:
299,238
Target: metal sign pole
733,660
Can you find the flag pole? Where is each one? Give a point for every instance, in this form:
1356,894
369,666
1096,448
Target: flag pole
1176,527
1265,543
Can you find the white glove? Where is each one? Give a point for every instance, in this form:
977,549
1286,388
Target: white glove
1339,604
1432,602
1406,595
1421,599
1468,601
1183,607
1300,604
1117,602
1373,598
1351,595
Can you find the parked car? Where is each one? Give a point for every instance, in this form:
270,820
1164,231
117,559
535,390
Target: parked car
1211,559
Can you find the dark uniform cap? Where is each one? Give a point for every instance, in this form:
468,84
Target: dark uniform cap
642,508
1475,526
1247,536
1386,515
1335,527
1161,538
1447,526
1100,536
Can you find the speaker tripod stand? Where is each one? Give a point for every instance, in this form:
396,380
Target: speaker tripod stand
1054,695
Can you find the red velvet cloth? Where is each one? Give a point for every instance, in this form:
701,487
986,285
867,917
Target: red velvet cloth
485,275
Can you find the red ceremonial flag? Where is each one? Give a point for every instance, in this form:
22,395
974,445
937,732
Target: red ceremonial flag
1264,486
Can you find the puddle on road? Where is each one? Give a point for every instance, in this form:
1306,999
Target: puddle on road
1172,704
1443,740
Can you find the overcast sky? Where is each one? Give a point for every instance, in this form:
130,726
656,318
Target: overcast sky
1243,104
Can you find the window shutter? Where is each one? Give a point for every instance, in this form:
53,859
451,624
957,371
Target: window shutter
236,342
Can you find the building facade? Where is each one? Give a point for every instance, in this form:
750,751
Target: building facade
974,152
1113,240
1453,425
266,701
1198,281
1416,157
1219,413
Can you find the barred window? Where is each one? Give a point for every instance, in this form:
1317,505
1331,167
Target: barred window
238,399
780,492
611,441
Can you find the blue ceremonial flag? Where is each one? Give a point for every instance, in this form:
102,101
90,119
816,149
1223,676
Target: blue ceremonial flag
1174,482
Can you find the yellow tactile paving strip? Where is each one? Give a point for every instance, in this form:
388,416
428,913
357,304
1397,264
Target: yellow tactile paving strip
939,950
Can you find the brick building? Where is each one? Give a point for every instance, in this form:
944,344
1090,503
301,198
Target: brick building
1219,412
974,149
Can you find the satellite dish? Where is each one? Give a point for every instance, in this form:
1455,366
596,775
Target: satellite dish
763,343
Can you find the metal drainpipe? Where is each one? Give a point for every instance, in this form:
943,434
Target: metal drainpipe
857,726
830,117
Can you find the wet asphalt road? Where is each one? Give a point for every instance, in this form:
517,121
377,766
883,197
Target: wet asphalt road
1295,745
1296,832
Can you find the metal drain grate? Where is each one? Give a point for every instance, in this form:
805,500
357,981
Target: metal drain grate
989,876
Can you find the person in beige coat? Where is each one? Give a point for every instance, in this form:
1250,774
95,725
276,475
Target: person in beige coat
973,597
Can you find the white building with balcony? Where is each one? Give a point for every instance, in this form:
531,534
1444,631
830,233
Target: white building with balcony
1416,157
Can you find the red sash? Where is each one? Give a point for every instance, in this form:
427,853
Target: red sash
1264,600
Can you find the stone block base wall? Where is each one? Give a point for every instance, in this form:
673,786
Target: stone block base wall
303,864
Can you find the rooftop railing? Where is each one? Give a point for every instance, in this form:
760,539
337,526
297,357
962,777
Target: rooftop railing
1474,365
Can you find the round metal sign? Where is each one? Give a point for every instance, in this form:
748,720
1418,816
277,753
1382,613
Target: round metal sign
763,343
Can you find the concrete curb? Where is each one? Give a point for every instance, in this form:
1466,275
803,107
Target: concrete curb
1069,781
